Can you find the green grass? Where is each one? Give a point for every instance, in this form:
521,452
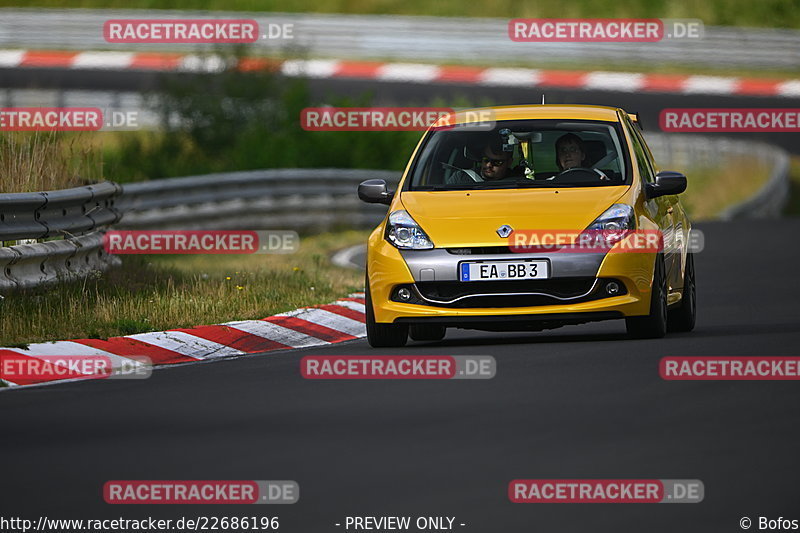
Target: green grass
765,13
46,161
155,293
262,130
143,155
711,190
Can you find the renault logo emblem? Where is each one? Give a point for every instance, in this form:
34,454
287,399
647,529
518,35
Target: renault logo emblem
504,230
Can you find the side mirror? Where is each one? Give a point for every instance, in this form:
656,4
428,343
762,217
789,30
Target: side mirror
375,192
667,183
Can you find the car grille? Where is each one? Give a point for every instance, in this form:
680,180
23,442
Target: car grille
499,250
480,250
495,293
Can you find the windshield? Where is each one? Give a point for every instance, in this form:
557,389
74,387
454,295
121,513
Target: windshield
518,154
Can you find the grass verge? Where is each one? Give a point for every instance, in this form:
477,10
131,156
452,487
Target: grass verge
46,161
155,293
711,190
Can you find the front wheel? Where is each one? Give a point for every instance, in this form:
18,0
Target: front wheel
654,325
383,335
684,318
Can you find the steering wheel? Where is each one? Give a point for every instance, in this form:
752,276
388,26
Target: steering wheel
597,171
471,174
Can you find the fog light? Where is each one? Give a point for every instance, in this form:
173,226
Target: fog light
612,288
404,294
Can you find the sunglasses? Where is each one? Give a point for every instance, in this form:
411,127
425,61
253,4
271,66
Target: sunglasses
494,162
570,149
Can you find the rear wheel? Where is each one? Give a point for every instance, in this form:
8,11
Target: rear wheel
684,318
654,325
427,332
383,335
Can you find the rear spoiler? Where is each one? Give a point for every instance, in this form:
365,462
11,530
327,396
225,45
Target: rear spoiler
635,119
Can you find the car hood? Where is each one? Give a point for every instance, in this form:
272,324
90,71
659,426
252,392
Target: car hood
471,218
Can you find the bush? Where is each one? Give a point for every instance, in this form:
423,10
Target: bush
236,120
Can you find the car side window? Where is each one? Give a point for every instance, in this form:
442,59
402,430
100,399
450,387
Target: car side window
642,154
649,154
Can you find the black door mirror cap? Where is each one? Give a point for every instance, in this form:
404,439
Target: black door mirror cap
375,192
667,183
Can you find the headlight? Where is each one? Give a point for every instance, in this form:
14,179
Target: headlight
614,224
403,232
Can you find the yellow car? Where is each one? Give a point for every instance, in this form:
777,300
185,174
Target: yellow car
487,226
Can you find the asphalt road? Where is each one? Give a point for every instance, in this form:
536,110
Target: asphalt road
577,402
647,104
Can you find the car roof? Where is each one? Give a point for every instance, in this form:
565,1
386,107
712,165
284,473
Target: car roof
532,112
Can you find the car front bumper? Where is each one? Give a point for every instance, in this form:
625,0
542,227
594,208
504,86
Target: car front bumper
389,268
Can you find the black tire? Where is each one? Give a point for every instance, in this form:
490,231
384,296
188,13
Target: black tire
427,332
684,317
654,325
383,335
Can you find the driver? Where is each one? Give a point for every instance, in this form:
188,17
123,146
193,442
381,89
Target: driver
570,152
495,163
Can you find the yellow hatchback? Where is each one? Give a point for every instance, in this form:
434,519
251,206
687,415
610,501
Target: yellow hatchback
542,216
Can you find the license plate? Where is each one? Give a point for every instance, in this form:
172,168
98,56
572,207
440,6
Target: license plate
504,270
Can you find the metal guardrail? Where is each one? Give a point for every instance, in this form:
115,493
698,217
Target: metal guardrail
76,216
302,199
306,200
39,215
30,265
410,38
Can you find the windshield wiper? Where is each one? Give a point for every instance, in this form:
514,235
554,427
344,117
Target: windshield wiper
532,183
505,184
442,188
484,185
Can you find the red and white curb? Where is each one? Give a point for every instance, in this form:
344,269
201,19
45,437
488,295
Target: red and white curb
339,321
410,72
